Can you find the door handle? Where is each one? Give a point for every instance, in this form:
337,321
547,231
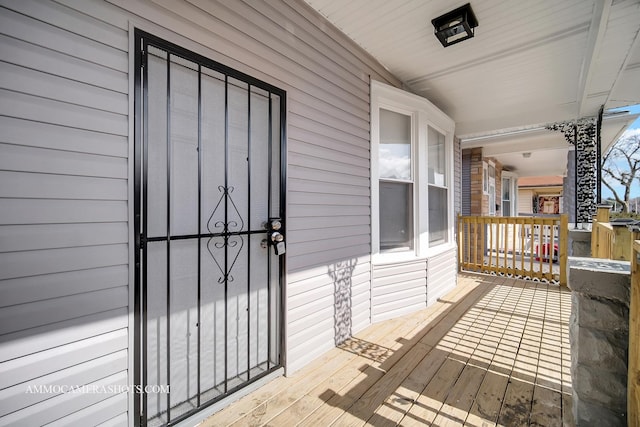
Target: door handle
276,238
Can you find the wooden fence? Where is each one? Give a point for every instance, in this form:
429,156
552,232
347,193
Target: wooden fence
633,385
528,247
603,240
612,241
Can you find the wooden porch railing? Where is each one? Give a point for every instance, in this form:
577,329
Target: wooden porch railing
603,237
518,246
612,241
633,384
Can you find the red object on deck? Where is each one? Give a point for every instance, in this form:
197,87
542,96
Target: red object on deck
544,256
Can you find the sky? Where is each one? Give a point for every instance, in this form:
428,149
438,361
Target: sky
635,127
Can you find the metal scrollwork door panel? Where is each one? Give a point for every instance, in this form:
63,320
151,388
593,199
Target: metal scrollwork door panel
209,176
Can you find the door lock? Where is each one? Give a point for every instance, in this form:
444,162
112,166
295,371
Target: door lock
276,238
275,224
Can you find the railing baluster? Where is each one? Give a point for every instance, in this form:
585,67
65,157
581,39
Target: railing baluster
490,245
474,247
513,246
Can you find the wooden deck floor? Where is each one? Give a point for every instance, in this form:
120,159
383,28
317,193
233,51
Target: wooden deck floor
495,351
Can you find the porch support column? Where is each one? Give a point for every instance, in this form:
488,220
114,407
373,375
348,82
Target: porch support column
583,134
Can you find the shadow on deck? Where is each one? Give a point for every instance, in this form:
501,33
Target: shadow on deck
493,351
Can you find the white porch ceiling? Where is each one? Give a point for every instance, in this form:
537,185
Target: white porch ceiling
547,150
530,62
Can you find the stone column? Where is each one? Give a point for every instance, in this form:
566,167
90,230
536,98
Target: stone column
599,335
583,134
580,243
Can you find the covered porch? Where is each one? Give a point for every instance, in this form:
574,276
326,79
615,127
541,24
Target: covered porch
494,351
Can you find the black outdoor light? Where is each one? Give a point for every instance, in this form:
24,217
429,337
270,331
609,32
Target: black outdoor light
455,26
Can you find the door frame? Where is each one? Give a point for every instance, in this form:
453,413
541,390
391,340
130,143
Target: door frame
139,294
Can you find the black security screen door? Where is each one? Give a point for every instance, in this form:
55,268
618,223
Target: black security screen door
209,201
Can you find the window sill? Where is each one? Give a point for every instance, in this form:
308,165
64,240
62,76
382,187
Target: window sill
440,249
395,257
386,258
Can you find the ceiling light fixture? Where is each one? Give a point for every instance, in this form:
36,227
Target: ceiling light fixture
455,26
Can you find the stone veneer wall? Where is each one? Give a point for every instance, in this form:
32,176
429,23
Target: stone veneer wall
599,335
583,135
479,200
569,189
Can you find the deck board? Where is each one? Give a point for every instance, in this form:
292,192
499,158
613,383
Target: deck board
494,351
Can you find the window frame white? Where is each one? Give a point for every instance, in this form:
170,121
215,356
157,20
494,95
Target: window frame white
412,168
424,114
493,197
485,178
513,191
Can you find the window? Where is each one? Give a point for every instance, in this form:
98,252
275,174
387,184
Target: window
485,178
396,181
492,189
509,194
411,166
437,190
506,196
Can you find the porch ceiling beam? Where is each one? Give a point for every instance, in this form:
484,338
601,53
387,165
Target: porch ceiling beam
602,9
627,65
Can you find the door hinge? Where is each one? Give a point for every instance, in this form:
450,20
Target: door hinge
143,58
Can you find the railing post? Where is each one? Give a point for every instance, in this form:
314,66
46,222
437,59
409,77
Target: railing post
602,214
633,377
598,240
460,242
564,248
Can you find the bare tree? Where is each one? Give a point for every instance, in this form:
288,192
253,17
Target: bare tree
621,167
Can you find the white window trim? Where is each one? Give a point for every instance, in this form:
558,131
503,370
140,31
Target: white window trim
423,114
513,191
485,177
492,203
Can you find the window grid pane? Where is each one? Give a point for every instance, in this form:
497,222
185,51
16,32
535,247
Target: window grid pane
396,216
395,146
436,158
438,223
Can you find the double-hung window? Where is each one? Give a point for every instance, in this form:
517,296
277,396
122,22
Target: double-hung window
396,181
492,188
509,194
412,172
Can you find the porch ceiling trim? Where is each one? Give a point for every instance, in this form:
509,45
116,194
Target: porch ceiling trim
597,31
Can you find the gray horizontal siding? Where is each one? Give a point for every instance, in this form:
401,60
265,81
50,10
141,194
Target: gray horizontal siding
25,342
397,289
64,245
64,111
58,358
28,133
54,236
441,275
54,285
314,298
60,39
57,409
33,314
52,161
19,211
52,111
403,287
99,414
